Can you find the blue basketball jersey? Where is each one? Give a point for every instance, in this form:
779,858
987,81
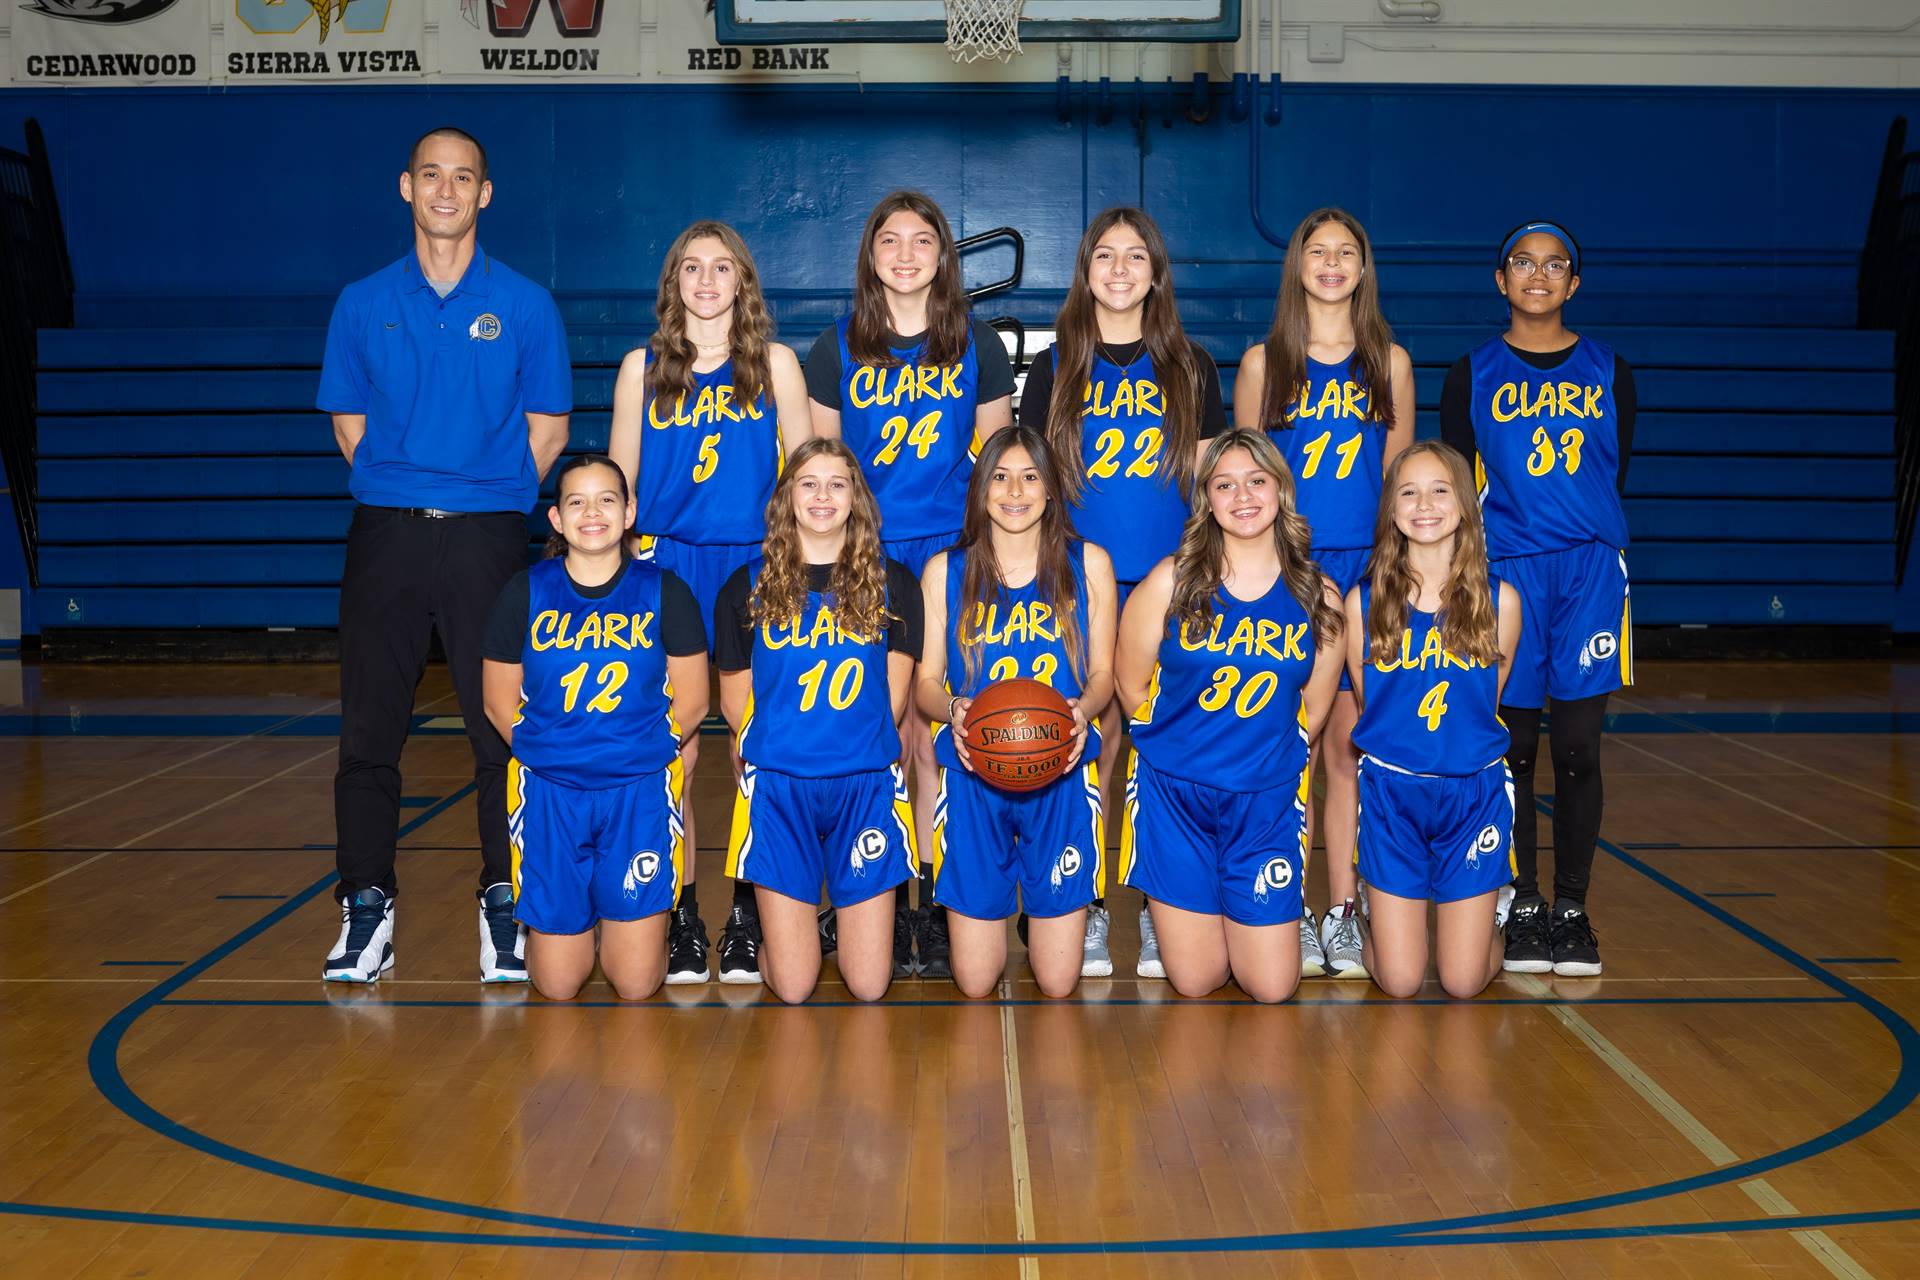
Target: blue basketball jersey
1336,452
1019,635
912,428
707,463
1427,710
595,705
1225,708
1549,450
821,704
1129,505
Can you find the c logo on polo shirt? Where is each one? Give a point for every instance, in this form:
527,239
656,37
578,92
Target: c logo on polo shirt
485,326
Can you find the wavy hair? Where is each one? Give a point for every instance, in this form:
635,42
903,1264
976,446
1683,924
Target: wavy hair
1076,331
857,588
1286,345
948,310
981,581
1199,566
670,372
556,544
1469,616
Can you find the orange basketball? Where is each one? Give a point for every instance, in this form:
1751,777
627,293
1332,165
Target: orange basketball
1019,734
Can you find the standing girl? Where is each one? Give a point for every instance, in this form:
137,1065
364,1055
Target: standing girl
701,419
1430,636
1336,394
1018,596
910,381
815,642
1230,653
1549,416
595,674
1125,400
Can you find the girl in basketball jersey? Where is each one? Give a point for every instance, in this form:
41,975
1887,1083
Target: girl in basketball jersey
1430,636
909,380
1549,416
701,418
1125,400
1336,394
815,641
1017,596
595,674
1230,652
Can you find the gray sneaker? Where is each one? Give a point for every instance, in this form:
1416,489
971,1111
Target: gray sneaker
1340,939
1149,965
1096,957
1313,960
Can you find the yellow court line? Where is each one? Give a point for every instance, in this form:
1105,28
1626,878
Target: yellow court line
1017,1134
1827,1253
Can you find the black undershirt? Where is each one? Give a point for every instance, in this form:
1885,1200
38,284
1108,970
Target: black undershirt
734,635
1456,401
682,631
823,364
1038,394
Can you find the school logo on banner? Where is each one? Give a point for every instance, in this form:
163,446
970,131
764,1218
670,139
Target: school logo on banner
279,40
97,42
545,39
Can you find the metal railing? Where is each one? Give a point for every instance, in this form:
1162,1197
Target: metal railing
36,292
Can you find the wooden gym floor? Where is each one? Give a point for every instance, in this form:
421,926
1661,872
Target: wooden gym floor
181,1097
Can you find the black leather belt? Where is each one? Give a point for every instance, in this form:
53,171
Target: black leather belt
435,513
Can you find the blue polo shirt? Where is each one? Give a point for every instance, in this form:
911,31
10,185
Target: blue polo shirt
445,384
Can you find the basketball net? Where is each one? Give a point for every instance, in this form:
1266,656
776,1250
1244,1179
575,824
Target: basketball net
979,29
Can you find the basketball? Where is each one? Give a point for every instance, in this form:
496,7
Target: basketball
1019,734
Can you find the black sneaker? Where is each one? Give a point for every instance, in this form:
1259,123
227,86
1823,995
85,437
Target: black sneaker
904,927
740,948
686,948
1576,952
930,940
829,931
1529,947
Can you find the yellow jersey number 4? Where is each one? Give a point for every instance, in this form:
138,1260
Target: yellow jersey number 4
1433,706
896,435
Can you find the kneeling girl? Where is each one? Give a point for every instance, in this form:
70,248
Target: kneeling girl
595,674
1431,636
815,641
1017,596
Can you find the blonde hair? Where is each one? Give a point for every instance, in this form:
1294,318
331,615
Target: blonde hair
670,371
1469,616
858,585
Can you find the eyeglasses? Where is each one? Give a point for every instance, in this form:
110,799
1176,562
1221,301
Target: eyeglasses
1552,268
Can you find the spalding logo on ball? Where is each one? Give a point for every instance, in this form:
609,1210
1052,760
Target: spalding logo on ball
1019,734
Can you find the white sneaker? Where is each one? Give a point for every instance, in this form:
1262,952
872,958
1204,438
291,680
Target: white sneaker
365,948
1313,960
1149,965
503,939
1501,906
1341,940
1096,957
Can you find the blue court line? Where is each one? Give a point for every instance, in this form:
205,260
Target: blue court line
104,1068
249,897
670,1006
137,964
415,802
1857,959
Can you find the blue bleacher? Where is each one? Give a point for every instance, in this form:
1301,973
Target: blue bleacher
186,482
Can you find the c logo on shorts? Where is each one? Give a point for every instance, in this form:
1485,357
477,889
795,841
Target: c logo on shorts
1602,646
644,867
869,846
1489,839
1276,875
1066,866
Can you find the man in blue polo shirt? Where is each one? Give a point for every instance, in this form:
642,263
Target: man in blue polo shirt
447,377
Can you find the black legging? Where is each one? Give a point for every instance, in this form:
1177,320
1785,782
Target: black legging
1577,799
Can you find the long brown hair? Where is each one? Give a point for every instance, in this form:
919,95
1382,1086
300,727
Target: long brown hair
1469,616
981,580
556,544
1199,566
670,372
948,329
1286,375
1076,330
858,585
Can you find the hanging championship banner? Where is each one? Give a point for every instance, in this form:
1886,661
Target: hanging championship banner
540,39
304,40
108,42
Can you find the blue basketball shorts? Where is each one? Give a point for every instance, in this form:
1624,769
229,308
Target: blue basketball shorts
1576,624
1237,854
1443,839
704,567
614,853
1344,565
1046,844
854,832
915,552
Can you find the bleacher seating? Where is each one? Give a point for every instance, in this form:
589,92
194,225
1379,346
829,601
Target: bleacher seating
185,480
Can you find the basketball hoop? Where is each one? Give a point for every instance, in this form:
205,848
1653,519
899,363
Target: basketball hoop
979,29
